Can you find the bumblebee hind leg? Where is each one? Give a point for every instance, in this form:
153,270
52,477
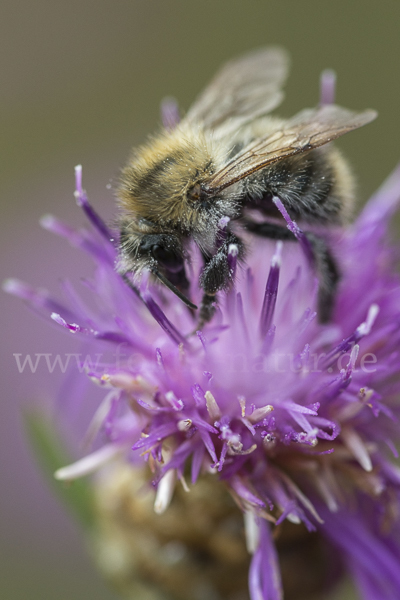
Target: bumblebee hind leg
325,263
329,276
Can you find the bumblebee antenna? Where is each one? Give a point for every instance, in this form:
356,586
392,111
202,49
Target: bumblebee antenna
173,289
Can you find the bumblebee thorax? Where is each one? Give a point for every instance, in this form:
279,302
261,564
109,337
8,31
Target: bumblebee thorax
163,180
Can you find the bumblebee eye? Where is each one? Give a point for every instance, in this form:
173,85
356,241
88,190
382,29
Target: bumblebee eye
145,245
166,257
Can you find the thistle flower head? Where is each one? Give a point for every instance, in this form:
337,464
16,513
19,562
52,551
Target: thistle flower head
298,418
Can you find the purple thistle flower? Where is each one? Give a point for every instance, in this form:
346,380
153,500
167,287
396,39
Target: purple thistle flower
299,419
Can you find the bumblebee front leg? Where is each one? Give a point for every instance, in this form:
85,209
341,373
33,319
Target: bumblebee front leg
218,274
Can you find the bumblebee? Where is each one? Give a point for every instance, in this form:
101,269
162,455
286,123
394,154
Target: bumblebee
202,181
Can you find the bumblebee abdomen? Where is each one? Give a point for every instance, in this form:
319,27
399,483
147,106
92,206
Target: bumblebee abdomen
315,186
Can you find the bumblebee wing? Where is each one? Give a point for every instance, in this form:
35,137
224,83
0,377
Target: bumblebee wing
307,130
243,89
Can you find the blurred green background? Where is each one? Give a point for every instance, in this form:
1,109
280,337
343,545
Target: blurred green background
81,82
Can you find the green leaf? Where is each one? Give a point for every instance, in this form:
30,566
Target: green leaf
51,455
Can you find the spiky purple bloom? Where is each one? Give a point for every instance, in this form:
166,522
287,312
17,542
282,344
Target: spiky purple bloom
298,418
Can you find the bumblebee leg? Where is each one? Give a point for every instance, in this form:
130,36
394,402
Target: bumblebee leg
329,276
325,263
218,274
207,310
270,231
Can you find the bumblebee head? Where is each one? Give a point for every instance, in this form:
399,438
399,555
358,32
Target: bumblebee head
142,248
